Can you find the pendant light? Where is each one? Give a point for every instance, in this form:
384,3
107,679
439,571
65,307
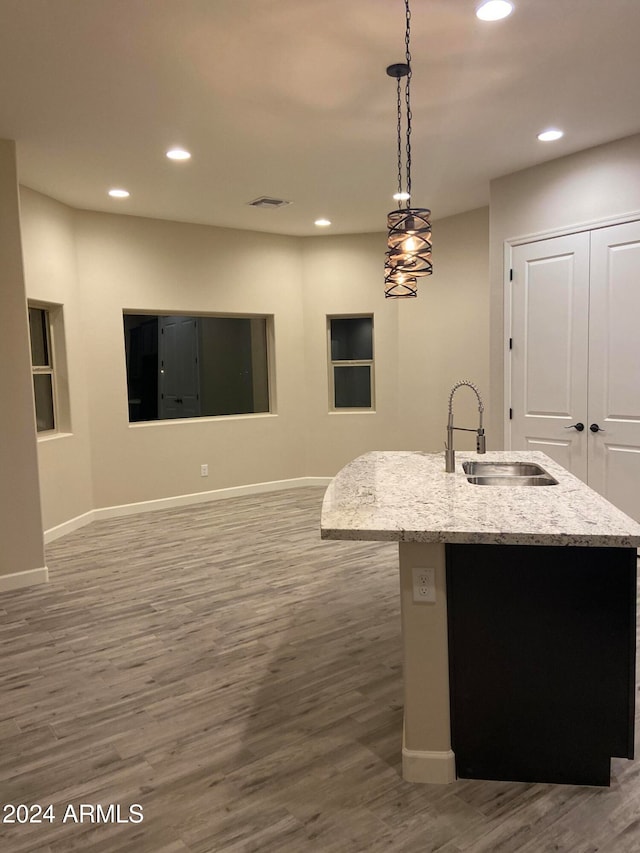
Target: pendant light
408,254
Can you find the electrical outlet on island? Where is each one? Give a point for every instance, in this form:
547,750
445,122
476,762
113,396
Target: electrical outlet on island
424,585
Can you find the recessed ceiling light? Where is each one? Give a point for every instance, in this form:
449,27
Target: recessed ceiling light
178,154
494,10
322,223
119,193
550,135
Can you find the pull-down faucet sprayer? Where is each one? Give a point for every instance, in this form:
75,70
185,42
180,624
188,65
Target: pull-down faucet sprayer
449,453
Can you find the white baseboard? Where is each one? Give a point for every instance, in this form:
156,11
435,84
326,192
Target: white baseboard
68,526
437,768
18,580
179,500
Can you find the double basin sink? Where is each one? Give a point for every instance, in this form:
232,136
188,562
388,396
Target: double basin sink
507,474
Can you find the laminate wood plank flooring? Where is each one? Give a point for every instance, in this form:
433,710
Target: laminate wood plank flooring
241,680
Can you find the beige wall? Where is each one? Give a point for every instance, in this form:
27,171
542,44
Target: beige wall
580,189
344,275
422,345
167,267
51,277
444,336
97,265
21,548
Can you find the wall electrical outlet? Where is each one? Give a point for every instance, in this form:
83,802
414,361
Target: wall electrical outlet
424,585
204,470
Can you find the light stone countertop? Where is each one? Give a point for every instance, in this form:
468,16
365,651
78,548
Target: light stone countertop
406,496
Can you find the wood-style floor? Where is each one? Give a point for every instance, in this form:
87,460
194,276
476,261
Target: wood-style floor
241,680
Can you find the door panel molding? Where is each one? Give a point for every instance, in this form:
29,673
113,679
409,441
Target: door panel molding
549,331
614,365
509,245
598,306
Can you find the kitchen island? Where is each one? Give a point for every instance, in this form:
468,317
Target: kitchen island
522,667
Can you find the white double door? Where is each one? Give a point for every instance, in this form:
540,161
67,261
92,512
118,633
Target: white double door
575,357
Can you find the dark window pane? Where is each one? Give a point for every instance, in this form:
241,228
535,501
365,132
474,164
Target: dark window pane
226,382
352,387
351,339
259,363
43,393
38,332
187,367
141,345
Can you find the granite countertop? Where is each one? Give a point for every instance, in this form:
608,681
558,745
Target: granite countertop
406,496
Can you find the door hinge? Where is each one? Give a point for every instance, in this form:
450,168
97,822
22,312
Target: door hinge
510,414
510,343
511,275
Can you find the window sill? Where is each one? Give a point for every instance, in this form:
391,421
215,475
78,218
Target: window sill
352,411
52,436
203,419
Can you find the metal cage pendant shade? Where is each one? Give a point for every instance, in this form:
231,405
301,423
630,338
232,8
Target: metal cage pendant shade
408,254
409,240
398,284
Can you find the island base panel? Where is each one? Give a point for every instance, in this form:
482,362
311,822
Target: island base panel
542,661
426,747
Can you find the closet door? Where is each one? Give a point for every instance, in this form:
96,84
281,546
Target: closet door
614,366
550,306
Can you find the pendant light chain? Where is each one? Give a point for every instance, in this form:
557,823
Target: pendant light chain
399,145
407,94
408,256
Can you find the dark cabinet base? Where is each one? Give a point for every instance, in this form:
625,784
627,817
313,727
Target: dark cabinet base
542,661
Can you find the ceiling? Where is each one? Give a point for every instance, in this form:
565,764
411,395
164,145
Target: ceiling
289,98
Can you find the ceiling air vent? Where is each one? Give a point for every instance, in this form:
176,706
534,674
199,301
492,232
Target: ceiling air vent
266,202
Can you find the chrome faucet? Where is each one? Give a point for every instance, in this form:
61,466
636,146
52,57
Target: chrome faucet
449,453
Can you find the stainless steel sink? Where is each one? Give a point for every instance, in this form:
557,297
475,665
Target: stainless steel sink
503,469
539,480
507,474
